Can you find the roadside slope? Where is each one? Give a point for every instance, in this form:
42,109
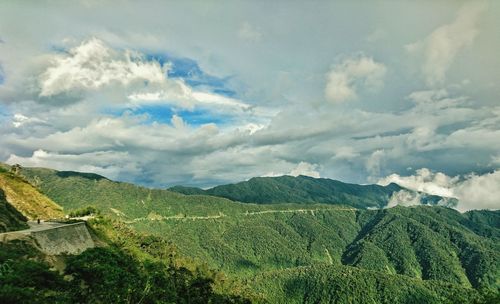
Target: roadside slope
10,218
26,198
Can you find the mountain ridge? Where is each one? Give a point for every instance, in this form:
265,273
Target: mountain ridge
306,189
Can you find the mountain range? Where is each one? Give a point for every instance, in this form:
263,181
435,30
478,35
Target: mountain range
303,240
305,189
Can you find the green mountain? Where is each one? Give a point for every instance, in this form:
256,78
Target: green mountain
125,267
305,189
305,253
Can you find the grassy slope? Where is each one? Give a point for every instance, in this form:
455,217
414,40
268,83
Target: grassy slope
26,198
431,243
303,189
10,218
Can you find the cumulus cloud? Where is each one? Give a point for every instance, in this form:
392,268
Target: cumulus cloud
303,168
173,151
345,78
404,198
307,169
424,180
111,164
472,191
442,46
479,191
92,65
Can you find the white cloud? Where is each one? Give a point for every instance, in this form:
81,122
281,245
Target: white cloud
20,120
412,198
479,192
303,168
307,169
424,180
350,75
108,163
472,191
92,65
404,198
185,97
443,44
178,122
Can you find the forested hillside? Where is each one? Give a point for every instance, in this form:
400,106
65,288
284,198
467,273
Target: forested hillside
304,189
274,246
126,267
344,284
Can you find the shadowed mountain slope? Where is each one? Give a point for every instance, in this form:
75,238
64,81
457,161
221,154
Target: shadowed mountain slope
10,218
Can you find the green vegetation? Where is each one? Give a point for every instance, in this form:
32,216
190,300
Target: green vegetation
427,243
323,252
343,284
119,272
73,190
10,218
26,278
112,276
26,198
304,189
89,210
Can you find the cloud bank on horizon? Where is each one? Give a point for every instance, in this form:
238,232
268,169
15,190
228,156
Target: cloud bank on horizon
203,94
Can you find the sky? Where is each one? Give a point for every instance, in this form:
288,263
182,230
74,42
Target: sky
201,93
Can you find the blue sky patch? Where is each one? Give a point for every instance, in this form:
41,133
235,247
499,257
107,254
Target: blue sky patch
164,114
4,112
192,74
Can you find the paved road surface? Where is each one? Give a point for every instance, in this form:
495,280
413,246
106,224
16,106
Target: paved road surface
34,227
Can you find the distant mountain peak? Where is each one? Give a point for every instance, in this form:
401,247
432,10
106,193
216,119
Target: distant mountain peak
307,189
